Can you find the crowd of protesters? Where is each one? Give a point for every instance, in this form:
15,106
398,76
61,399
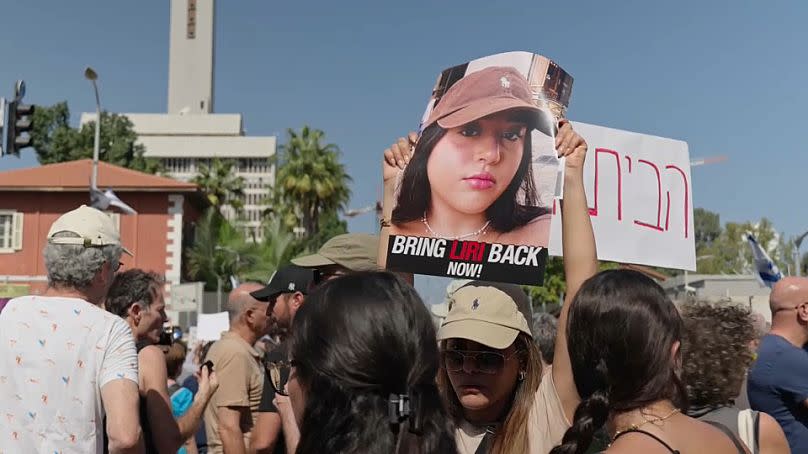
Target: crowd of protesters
364,367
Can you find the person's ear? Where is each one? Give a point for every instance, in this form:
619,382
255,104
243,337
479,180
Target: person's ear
676,357
135,312
297,300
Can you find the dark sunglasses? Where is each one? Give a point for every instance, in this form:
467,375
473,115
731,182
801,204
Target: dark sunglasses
279,372
483,361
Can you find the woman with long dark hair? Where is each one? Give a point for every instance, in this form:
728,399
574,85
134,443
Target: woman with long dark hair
471,174
491,377
363,359
624,338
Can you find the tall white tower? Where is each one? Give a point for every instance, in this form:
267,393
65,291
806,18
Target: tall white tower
190,57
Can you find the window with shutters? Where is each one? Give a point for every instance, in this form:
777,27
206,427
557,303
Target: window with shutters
10,231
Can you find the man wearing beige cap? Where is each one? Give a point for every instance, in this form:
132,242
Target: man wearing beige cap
65,362
342,254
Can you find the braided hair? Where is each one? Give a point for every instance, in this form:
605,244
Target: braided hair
622,322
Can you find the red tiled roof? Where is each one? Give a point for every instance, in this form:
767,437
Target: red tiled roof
75,176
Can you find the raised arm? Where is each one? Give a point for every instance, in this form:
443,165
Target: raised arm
395,160
170,434
580,255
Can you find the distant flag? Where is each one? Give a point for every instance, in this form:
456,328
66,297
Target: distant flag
104,200
765,269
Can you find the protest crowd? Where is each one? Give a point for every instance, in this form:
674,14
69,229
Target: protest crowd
363,368
338,353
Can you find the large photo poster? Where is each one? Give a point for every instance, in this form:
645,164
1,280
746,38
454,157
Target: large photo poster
476,199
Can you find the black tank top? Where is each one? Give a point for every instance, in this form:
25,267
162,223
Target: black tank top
720,426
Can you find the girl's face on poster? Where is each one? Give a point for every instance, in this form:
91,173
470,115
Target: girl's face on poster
472,165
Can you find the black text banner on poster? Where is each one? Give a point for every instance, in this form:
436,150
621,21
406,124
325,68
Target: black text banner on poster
518,264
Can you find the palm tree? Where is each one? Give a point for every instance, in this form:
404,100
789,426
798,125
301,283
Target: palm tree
220,184
219,250
311,181
276,250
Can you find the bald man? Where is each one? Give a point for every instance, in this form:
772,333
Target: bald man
778,381
231,413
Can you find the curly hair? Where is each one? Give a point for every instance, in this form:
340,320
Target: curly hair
130,287
715,351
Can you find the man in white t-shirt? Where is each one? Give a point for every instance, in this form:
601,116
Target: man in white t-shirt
65,362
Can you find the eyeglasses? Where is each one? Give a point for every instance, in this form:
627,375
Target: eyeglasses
117,267
485,362
279,372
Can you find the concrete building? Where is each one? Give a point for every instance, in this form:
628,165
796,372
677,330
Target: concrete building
31,199
189,134
740,289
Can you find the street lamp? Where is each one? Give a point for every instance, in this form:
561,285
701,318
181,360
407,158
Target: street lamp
92,76
797,244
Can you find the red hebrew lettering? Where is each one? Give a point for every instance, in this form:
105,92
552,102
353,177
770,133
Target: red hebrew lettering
628,158
687,201
658,225
554,207
594,211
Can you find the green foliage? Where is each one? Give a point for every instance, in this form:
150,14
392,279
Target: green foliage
548,298
276,250
707,226
219,183
729,253
220,250
56,141
311,184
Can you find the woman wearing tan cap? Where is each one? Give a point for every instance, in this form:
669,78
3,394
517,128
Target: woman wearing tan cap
491,375
470,177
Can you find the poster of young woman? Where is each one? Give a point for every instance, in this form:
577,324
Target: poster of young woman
474,201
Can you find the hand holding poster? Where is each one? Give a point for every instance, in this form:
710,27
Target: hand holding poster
640,198
475,199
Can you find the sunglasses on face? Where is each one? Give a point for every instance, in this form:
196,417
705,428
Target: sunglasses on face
485,362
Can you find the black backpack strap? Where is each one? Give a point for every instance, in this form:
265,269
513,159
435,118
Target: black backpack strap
648,434
727,432
756,419
486,443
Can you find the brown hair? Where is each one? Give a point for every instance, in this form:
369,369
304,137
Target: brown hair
716,351
513,434
175,357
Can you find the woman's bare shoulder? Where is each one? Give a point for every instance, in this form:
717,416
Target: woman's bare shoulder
534,233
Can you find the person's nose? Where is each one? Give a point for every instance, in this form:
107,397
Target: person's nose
469,364
487,149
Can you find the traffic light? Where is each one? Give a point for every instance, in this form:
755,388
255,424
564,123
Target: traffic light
18,120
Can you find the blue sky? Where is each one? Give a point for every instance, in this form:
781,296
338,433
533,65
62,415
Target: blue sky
728,77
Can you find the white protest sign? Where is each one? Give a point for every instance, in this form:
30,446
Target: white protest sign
209,327
640,198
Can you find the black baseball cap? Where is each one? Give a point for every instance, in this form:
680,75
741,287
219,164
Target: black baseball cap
288,279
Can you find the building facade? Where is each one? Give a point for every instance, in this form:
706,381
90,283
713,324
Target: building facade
32,199
190,135
743,289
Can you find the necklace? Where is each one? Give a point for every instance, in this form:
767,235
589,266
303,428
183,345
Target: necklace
480,231
655,421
